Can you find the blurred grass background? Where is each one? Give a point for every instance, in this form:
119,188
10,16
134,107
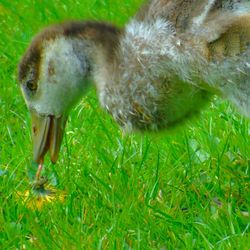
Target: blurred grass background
188,189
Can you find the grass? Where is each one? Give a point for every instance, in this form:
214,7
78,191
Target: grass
188,189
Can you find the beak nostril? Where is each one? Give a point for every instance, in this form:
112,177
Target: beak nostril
34,130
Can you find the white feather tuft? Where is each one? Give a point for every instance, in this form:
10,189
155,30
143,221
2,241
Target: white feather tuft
199,20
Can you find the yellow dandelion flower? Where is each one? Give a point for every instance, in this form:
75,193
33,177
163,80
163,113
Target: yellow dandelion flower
41,194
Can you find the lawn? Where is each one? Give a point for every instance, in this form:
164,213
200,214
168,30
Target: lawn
183,189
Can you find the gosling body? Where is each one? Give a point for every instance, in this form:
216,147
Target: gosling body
155,73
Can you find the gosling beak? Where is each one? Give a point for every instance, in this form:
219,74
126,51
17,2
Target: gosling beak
47,135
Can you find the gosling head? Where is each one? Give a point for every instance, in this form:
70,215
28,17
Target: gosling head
54,73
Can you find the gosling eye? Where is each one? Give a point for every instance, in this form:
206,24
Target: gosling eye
31,85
